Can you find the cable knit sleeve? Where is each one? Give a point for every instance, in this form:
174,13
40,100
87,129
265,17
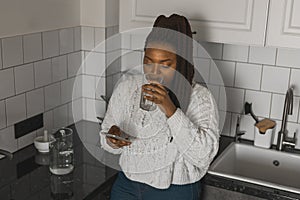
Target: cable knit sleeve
196,133
112,117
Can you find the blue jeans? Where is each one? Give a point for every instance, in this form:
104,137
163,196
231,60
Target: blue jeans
126,189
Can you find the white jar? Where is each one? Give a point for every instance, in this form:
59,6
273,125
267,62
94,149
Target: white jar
264,140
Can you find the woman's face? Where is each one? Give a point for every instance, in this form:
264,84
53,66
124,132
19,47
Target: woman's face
160,59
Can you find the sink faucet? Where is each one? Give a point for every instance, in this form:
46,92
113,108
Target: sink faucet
282,139
6,153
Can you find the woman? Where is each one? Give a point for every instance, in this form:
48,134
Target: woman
175,143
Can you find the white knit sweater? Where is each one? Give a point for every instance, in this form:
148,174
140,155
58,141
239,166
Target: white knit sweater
152,158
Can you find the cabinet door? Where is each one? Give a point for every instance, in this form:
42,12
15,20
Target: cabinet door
284,24
230,21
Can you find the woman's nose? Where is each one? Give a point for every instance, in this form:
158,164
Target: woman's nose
155,69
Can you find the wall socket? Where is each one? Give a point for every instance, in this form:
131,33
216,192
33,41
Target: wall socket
27,126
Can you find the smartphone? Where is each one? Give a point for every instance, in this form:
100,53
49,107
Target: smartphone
117,137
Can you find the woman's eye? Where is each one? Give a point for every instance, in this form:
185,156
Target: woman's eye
148,65
165,66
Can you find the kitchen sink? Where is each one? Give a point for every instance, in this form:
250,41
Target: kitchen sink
266,167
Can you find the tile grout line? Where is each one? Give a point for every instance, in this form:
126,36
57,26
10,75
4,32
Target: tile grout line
23,49
248,54
261,77
271,102
276,56
1,55
42,43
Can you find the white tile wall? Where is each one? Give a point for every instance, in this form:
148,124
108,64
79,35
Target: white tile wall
202,66
288,57
26,140
74,63
215,76
113,60
66,40
262,55
2,115
248,76
131,60
24,78
100,87
125,40
70,114
59,68
226,69
78,110
60,116
7,86
67,90
235,52
50,44
95,64
42,73
275,79
94,108
235,100
15,109
99,38
87,38
277,107
112,42
295,81
48,121
35,102
225,118
52,96
77,38
260,102
89,84
240,66
214,50
12,51
7,139
32,47
48,76
77,87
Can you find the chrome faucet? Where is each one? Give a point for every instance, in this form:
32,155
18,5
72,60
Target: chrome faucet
282,139
6,153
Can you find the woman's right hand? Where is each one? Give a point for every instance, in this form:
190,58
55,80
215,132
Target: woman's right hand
115,130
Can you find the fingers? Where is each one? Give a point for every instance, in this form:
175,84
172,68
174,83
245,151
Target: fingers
154,87
118,143
155,93
115,130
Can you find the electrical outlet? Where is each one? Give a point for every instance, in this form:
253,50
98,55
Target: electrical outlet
27,126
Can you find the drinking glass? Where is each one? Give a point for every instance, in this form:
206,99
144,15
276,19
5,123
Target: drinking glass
61,152
149,78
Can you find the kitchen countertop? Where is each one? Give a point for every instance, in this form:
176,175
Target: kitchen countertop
25,177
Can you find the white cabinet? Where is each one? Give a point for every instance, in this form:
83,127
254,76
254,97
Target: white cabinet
230,21
284,24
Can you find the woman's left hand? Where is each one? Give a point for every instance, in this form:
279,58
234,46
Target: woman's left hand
159,95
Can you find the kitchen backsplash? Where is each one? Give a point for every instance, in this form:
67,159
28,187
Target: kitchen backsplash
261,76
258,75
37,74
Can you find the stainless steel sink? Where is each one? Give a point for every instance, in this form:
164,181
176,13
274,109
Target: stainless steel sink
260,166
